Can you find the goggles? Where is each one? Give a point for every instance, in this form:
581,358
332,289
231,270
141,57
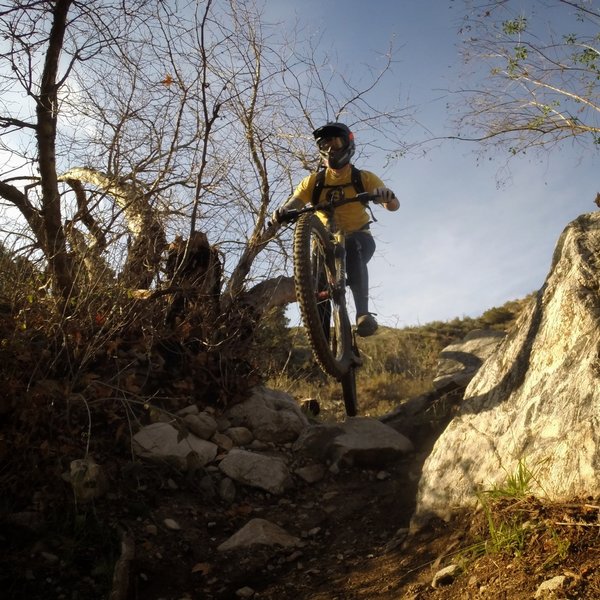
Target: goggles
331,144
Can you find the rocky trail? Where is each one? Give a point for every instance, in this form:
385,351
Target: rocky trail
299,511
324,514
329,536
336,524
269,504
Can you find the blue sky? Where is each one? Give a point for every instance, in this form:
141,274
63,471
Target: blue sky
470,234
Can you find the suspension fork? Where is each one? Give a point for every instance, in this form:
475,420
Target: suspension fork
339,252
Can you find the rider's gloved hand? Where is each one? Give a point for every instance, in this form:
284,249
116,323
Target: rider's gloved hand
385,195
278,215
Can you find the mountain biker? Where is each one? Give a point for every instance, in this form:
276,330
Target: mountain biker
336,146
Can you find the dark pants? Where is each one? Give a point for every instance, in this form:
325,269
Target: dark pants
360,247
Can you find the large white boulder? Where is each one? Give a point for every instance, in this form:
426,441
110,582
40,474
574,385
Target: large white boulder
535,403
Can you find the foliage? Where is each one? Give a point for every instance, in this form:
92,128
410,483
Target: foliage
515,519
85,545
516,485
161,121
538,70
274,341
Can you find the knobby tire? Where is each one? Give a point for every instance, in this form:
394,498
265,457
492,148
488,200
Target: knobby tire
323,311
349,391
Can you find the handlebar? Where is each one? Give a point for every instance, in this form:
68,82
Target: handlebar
293,214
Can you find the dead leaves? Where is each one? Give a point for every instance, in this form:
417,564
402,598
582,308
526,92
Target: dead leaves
203,568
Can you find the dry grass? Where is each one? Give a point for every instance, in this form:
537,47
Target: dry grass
398,363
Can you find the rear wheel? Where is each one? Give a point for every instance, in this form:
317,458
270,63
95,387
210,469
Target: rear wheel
322,305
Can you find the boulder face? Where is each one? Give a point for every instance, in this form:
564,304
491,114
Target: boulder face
459,362
534,405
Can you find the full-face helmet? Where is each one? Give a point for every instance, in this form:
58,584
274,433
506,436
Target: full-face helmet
336,144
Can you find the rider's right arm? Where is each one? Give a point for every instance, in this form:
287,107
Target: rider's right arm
294,203
303,193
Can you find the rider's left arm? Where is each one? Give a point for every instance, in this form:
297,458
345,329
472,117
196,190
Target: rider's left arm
373,185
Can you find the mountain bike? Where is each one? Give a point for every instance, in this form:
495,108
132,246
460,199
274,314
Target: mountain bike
320,280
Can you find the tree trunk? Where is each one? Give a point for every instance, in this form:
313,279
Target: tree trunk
195,271
149,240
47,110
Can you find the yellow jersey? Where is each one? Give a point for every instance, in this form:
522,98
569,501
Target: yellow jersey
350,217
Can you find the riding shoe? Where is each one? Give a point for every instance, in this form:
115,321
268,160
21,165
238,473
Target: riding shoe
366,325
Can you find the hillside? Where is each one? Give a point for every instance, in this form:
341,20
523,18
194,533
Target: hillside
352,522
398,363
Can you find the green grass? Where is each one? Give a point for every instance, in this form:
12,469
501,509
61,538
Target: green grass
512,516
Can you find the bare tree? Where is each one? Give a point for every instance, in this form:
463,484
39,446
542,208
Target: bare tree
162,128
537,67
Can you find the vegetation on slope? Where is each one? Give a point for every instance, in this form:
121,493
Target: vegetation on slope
398,363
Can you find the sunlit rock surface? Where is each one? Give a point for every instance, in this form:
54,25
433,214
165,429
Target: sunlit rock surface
535,403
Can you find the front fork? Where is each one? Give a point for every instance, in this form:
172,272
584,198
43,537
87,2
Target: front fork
339,255
340,289
336,280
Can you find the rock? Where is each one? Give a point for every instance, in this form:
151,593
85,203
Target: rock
207,487
445,576
240,436
171,524
311,473
359,440
223,424
201,425
160,441
49,557
315,441
223,441
257,470
88,480
259,532
368,442
227,490
271,415
192,409
459,362
535,403
551,588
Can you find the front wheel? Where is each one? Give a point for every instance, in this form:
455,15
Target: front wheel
349,391
322,304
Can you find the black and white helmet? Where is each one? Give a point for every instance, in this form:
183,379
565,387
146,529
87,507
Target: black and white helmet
336,144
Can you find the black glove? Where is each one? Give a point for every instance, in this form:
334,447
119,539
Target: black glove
279,215
385,195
